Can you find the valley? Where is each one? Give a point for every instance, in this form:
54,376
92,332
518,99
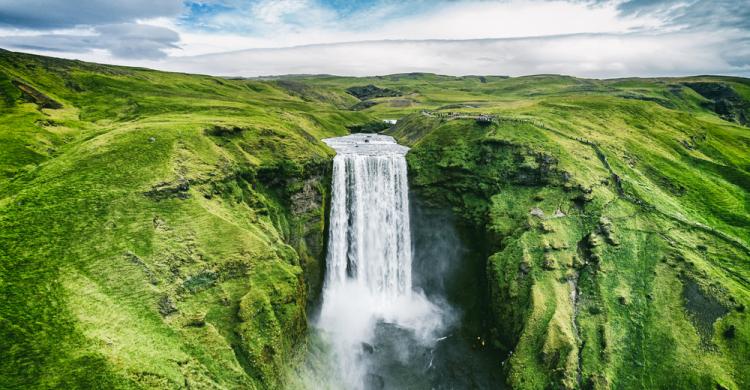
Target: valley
167,230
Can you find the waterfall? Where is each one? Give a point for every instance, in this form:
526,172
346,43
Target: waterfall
368,278
369,240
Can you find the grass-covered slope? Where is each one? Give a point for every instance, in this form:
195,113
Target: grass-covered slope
620,219
155,227
161,230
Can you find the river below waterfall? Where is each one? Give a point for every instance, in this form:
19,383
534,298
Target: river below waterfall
387,319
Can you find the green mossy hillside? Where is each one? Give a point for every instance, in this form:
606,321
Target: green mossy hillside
157,230
164,230
620,251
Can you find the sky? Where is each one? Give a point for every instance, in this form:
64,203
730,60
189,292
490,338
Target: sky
585,38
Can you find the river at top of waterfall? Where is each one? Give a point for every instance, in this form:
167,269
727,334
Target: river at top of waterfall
368,284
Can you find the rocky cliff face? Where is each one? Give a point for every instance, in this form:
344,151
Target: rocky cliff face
592,281
272,315
310,212
155,235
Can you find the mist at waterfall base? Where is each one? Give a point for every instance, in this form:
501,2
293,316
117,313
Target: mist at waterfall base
385,320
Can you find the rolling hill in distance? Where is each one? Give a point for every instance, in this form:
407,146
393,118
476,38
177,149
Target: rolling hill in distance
167,230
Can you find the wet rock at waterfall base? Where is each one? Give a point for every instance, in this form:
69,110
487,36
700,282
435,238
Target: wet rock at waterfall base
368,348
374,382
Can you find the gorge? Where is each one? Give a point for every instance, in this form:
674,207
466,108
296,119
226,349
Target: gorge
166,230
382,330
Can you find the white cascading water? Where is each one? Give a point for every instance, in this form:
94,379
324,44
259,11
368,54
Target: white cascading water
368,272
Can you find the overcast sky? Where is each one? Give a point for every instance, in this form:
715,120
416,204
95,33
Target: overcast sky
596,38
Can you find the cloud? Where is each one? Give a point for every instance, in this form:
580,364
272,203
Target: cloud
259,17
595,38
691,14
86,26
125,40
280,23
587,55
279,11
54,14
609,38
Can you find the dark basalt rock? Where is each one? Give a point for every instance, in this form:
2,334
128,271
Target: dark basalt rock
374,382
309,198
200,281
225,131
658,100
368,348
605,229
549,263
724,101
370,91
524,268
363,105
370,127
704,309
166,306
196,322
32,95
730,332
165,190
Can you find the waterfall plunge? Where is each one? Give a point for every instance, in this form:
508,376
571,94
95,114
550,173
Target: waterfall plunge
368,276
370,241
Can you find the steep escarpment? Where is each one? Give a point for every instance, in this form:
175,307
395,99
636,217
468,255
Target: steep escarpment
157,230
604,270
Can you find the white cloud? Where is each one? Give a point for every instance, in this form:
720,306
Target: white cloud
592,38
285,23
475,20
51,14
274,11
587,55
124,40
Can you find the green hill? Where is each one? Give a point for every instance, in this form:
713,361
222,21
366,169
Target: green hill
163,230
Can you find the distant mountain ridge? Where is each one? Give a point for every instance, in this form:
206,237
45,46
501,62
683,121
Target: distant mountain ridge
167,230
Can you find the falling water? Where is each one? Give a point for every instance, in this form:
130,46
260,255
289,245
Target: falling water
370,241
368,284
